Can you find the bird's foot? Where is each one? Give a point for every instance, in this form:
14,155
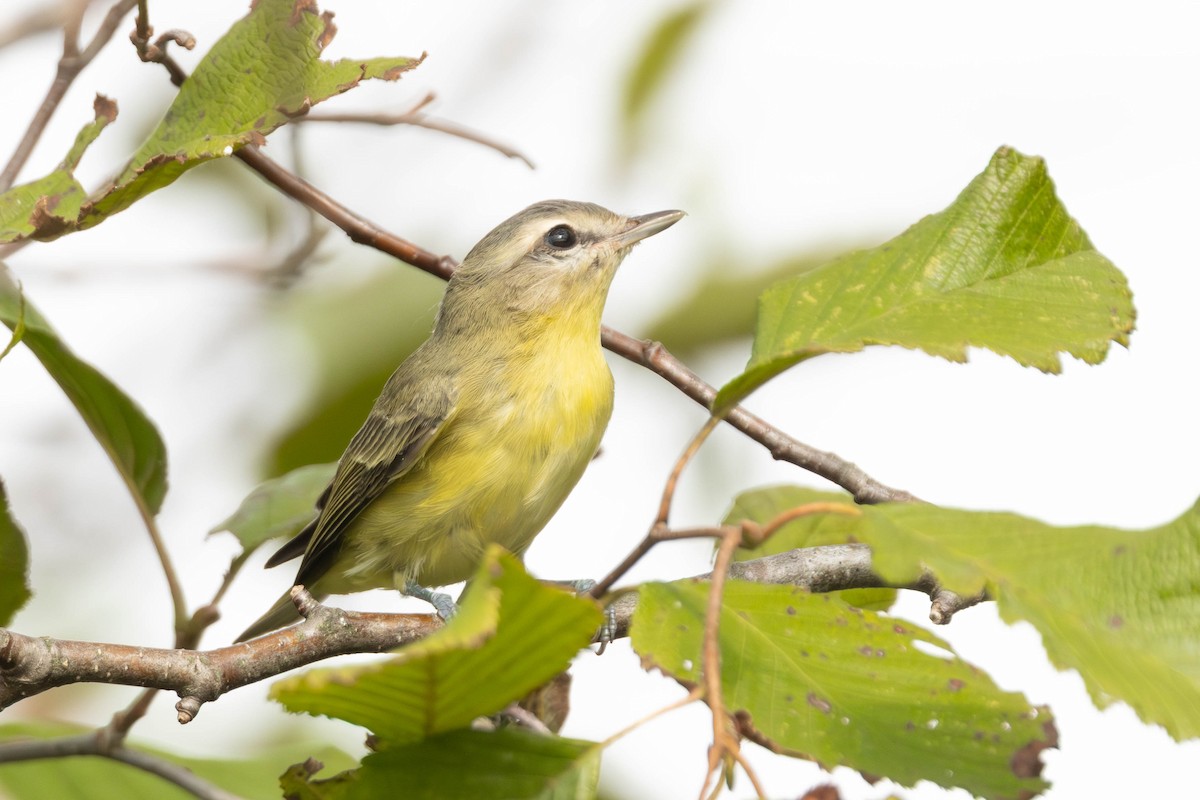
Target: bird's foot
581,586
442,603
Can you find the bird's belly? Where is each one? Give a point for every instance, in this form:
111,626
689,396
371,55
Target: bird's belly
491,477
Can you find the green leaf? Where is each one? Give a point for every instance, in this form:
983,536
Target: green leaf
278,507
122,429
103,779
40,206
660,55
507,764
816,678
511,635
1003,267
265,71
14,564
1121,607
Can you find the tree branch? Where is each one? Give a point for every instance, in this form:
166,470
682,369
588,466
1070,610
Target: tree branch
651,355
94,744
29,665
648,354
416,117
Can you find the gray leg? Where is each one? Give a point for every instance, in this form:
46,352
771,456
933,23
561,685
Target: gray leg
443,603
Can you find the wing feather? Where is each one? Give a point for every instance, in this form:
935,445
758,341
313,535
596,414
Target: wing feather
395,435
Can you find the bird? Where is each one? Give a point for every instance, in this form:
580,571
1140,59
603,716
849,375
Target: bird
482,432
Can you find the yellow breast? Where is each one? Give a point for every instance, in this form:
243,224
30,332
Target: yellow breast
519,441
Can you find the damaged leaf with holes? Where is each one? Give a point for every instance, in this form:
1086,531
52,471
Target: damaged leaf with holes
808,675
1128,617
266,70
40,206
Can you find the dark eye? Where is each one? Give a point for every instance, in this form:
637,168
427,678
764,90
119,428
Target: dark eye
561,237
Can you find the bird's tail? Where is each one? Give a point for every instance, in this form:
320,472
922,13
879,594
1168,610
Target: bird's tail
282,614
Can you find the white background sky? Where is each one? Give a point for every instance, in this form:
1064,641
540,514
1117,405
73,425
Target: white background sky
792,126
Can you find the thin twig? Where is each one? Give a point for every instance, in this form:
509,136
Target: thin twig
156,52
689,452
94,744
123,721
659,531
691,697
72,63
416,118
526,719
724,748
648,354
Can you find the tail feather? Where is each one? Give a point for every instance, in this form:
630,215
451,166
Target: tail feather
280,615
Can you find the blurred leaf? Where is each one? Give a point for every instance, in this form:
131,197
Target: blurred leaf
31,207
265,71
507,764
298,782
360,335
1003,267
870,599
1121,607
658,60
721,306
487,656
102,779
278,507
122,429
14,563
821,680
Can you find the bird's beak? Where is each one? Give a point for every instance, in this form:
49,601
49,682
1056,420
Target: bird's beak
646,225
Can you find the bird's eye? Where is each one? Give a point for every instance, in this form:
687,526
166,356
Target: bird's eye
561,237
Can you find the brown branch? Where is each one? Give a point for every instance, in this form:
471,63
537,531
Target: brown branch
72,63
659,531
651,355
724,749
829,568
156,52
29,665
648,354
94,744
416,118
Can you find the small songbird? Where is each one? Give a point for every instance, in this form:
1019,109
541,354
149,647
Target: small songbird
482,432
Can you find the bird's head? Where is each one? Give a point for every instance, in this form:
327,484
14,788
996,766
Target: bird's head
555,259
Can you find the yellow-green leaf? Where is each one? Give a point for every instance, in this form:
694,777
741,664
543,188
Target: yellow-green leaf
814,677
511,635
278,507
1121,607
266,70
476,765
39,208
1004,267
14,563
119,425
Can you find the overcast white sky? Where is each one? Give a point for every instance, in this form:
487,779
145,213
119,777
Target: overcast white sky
792,126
